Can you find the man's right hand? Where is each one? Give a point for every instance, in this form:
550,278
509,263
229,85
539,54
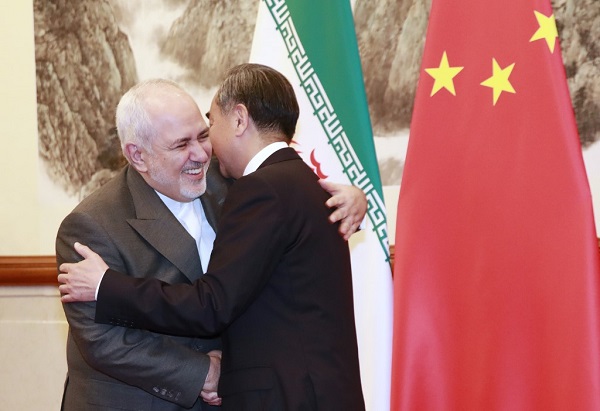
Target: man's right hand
209,390
79,281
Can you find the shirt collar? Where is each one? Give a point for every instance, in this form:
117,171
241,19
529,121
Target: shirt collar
262,155
173,205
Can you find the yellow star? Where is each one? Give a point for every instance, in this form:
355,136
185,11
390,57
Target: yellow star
546,31
499,80
443,76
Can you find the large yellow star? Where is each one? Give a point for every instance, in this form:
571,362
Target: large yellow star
443,76
499,80
547,30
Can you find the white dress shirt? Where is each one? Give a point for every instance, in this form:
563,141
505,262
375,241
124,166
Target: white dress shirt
206,233
262,155
205,238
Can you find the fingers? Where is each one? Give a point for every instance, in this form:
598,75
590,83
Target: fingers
211,397
83,250
65,295
348,225
329,186
65,289
215,353
67,298
347,229
349,206
337,215
347,219
335,201
79,281
64,268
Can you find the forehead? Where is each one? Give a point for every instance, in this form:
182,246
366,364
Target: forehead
173,108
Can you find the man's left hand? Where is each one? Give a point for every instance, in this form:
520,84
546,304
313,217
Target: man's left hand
350,206
209,390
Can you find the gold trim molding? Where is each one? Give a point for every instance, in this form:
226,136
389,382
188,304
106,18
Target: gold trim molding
41,269
28,270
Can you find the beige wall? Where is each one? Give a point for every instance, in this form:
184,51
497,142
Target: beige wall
32,324
19,209
28,222
32,348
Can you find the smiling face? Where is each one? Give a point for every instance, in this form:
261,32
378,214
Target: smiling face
177,157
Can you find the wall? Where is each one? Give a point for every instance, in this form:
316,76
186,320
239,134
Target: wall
32,348
18,133
32,324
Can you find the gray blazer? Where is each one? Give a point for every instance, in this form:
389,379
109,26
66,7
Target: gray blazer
118,368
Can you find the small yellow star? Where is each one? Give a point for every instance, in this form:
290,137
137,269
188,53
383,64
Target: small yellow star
499,80
443,76
546,31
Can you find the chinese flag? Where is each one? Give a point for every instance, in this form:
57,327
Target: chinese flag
496,265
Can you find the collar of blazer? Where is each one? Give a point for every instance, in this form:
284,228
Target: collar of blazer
285,154
157,225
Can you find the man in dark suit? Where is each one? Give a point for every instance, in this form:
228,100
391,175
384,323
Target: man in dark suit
132,220
279,283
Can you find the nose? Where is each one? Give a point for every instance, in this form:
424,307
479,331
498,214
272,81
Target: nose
200,151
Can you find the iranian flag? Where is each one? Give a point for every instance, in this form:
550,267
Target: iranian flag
313,43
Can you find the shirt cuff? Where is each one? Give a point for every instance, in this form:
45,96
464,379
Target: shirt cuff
98,287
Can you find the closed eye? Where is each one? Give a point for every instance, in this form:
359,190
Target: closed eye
203,135
180,144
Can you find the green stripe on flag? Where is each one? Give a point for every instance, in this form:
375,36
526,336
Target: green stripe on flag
325,56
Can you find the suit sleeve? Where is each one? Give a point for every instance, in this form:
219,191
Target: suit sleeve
155,363
247,248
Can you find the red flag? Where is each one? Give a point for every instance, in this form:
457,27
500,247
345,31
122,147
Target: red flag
496,265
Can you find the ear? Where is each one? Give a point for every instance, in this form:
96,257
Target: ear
135,157
241,118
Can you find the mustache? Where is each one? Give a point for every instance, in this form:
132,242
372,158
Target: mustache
192,165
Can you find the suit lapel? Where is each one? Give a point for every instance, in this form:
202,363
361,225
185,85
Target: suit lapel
157,225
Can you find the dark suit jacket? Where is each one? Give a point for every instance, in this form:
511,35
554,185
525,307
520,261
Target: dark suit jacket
279,286
117,368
